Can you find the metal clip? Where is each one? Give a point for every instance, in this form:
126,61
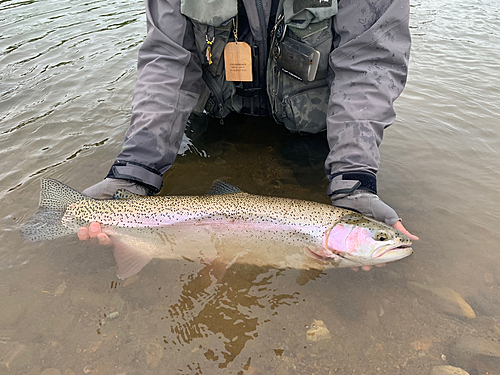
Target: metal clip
279,28
235,31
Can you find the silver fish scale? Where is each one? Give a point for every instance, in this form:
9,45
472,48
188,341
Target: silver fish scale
178,209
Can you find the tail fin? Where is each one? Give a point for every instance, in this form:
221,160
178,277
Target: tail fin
46,224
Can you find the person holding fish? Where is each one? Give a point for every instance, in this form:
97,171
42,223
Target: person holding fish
314,65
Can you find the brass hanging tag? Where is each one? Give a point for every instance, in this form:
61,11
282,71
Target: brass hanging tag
238,59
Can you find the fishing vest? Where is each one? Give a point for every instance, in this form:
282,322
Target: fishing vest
289,71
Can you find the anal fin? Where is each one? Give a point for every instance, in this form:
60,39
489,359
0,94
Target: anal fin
128,260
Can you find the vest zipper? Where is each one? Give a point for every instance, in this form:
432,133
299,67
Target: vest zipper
262,21
216,90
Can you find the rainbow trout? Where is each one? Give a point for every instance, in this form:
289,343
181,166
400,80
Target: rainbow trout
226,224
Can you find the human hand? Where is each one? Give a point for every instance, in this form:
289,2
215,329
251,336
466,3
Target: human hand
371,205
94,231
106,190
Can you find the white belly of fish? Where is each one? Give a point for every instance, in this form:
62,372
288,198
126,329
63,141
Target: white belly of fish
242,243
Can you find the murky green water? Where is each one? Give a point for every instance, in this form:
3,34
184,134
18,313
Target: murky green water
67,72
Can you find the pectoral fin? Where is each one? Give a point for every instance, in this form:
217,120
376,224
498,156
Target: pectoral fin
128,260
314,255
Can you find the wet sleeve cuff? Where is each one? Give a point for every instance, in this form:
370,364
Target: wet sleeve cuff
140,174
346,183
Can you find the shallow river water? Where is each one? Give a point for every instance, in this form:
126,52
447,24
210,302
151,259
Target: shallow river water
67,72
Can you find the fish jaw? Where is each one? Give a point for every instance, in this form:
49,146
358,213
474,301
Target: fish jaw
391,253
365,241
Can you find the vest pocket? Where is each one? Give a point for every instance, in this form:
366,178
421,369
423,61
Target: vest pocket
300,105
210,12
212,24
210,42
304,110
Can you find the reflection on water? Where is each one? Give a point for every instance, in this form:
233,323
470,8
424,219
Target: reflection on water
67,74
225,308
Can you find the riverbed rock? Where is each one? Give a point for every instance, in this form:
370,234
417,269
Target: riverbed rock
14,356
443,298
483,305
423,345
84,298
117,302
476,355
488,278
59,291
154,354
447,370
318,332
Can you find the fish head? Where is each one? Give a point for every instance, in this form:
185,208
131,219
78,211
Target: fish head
365,241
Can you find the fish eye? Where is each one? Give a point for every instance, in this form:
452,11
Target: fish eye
381,236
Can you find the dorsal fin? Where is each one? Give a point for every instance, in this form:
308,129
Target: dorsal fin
221,187
125,194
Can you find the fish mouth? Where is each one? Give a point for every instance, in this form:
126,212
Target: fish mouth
393,252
